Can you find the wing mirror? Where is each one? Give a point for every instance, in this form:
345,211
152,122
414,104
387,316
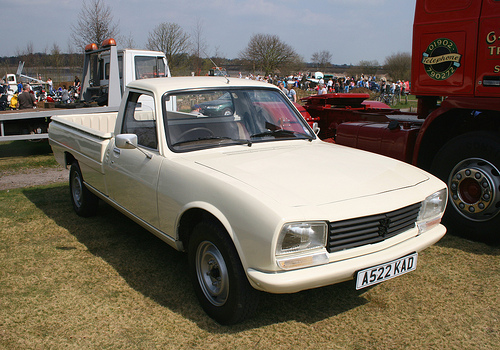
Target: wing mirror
316,128
126,141
129,141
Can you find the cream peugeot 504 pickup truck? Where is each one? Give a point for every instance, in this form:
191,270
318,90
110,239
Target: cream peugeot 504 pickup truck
228,171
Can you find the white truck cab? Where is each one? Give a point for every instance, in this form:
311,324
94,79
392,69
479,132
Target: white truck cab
133,65
11,79
107,70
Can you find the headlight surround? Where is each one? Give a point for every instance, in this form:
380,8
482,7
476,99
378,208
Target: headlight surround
301,236
432,210
302,244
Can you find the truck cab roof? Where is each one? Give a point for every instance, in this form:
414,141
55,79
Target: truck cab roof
161,85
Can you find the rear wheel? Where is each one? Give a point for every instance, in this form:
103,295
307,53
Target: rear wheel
219,281
469,164
85,203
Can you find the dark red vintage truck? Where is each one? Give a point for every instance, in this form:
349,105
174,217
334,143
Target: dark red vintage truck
455,133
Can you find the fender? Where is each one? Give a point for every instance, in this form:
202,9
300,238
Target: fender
213,210
471,103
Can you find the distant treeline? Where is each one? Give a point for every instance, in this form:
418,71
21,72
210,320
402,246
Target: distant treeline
62,67
43,59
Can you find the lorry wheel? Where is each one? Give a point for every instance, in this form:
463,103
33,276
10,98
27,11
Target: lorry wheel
220,283
469,164
85,203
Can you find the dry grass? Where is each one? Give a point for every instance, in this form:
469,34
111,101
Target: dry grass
23,156
105,283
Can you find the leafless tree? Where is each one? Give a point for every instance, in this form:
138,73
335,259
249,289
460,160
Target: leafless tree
398,66
55,54
199,45
218,54
28,51
128,42
27,55
365,68
75,57
171,39
266,52
322,59
95,24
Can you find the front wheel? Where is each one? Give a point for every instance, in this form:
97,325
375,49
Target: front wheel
469,164
220,283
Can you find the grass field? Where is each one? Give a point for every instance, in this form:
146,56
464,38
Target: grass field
105,283
411,103
19,156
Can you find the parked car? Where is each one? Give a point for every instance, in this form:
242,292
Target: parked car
222,106
257,201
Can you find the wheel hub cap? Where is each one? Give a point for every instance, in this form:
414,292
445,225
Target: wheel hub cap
212,273
474,189
77,190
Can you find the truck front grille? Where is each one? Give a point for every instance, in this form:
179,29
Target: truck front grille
370,229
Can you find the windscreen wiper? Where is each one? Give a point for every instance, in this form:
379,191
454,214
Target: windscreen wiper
239,141
281,132
208,138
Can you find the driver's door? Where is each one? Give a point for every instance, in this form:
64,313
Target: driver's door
131,176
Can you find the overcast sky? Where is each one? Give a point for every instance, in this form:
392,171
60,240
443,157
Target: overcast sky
352,30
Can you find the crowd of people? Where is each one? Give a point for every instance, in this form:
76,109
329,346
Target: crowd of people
25,96
332,84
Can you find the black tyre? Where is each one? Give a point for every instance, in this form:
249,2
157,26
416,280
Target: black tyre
85,203
220,283
469,164
227,112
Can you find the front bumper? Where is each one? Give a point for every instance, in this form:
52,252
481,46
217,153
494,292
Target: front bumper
339,271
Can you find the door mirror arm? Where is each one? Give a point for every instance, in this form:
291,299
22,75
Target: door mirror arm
129,141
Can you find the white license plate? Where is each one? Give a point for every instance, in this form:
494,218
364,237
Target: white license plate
386,271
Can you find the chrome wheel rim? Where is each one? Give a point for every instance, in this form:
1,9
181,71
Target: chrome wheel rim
474,186
76,189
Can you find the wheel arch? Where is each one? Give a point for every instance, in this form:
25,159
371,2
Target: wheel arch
196,213
443,127
215,268
469,165
69,158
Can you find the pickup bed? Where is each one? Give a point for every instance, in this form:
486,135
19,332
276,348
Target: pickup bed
222,169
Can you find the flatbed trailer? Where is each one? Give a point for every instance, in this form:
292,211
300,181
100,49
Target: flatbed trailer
106,72
33,124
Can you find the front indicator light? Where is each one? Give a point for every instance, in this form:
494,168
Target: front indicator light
297,262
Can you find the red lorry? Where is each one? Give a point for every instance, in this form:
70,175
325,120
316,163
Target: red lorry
455,133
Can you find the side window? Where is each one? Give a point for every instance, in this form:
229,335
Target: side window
106,71
140,119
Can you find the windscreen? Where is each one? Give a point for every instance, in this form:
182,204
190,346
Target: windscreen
214,118
149,67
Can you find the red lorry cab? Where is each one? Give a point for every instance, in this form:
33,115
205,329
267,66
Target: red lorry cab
456,48
455,133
